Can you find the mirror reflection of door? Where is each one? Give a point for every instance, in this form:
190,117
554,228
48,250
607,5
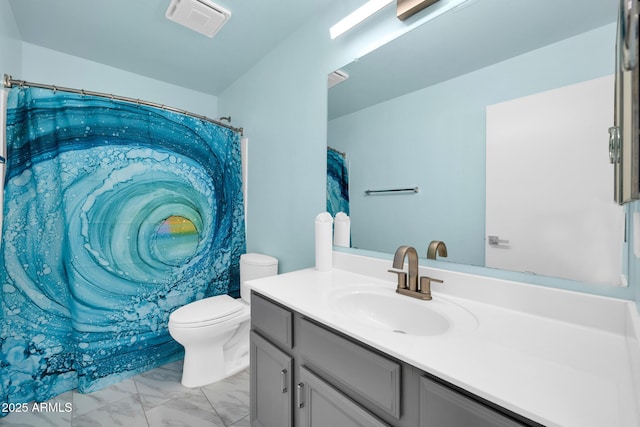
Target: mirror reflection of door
546,156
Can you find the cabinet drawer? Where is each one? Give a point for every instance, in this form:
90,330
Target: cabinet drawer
351,367
441,406
272,320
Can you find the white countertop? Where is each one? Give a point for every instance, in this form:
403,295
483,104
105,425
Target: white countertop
557,357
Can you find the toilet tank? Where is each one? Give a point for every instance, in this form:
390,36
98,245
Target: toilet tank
255,266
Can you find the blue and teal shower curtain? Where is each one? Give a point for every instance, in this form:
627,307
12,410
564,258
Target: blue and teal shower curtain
115,214
337,182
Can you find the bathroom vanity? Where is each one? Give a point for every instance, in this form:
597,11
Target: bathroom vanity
330,379
342,348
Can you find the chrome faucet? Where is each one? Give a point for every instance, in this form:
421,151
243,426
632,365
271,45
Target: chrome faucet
412,287
438,247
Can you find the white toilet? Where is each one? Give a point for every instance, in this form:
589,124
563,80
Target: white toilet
215,331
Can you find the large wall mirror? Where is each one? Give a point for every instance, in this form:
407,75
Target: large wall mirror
498,112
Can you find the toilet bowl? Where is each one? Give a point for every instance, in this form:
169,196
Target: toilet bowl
214,331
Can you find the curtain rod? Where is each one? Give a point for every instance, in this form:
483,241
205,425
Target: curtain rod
9,82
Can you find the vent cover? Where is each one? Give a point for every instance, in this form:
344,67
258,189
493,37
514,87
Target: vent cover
202,16
337,76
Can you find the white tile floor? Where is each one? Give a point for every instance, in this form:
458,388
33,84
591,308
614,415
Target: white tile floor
152,399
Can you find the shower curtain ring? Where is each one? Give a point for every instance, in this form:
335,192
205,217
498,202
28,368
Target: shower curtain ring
82,92
55,89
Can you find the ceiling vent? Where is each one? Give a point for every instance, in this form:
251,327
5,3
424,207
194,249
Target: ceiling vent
202,16
337,76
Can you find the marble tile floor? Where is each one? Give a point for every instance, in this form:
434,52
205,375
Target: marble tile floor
152,399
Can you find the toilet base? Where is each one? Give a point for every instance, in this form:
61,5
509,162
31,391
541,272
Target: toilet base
199,377
207,364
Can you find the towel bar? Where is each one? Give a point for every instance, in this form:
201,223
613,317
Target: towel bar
392,190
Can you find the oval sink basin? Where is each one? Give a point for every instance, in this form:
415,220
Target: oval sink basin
385,310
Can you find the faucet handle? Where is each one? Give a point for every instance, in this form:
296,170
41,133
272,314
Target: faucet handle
402,277
425,286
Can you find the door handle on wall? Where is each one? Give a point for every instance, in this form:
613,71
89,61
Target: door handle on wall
495,241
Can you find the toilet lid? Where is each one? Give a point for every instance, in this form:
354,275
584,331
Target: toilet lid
212,308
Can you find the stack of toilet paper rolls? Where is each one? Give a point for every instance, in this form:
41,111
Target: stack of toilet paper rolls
327,235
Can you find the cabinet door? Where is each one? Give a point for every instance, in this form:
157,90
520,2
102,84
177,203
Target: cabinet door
321,405
271,379
441,406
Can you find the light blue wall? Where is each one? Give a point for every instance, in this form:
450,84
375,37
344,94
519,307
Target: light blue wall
633,260
48,66
10,44
25,61
282,104
435,139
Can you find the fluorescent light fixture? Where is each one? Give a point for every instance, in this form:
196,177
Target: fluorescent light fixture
439,8
354,18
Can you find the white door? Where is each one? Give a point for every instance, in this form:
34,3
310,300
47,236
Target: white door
549,184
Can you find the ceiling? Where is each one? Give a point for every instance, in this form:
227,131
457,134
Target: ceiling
474,36
135,36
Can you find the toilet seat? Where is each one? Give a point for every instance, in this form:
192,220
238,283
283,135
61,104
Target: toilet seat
208,311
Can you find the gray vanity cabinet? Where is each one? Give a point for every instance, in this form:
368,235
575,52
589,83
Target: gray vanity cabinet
304,374
272,368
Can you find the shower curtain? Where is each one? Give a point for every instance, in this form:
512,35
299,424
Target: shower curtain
115,214
337,182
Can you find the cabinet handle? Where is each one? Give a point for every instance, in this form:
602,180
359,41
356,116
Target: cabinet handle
283,380
300,395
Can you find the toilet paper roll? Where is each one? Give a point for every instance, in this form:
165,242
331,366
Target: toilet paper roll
324,241
342,230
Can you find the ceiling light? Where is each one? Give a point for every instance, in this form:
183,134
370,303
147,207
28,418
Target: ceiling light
363,12
437,10
408,8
